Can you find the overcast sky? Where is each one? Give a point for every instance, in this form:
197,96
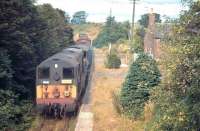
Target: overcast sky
98,10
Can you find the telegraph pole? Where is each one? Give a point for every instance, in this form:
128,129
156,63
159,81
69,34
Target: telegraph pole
133,20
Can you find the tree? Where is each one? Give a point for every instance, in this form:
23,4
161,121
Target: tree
112,32
67,18
138,41
143,76
17,61
5,70
15,114
110,21
16,38
29,34
79,17
144,21
56,33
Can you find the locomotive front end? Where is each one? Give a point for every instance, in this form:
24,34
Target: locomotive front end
57,85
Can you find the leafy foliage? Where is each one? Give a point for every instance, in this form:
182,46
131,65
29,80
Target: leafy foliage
177,101
59,34
112,60
142,77
112,32
13,112
138,41
29,34
79,17
5,70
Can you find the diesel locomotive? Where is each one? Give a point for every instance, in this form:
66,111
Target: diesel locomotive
61,80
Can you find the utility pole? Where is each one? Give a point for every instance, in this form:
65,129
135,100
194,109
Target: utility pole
133,20
110,12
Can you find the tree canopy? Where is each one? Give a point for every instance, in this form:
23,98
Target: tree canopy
79,17
29,34
112,32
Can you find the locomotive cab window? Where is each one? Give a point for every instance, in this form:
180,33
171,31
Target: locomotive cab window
68,73
44,73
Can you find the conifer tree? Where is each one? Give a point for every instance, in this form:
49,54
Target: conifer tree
142,77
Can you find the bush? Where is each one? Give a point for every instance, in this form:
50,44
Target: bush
14,115
142,77
112,60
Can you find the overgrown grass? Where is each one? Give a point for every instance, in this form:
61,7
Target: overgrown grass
116,101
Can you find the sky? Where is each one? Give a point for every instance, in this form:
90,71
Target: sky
98,10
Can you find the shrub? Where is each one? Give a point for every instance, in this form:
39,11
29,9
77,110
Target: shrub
112,60
142,77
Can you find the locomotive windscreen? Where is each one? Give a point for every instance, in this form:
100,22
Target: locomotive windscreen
68,73
43,73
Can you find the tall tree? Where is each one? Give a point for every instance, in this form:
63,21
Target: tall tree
79,17
112,32
16,32
29,34
67,18
5,70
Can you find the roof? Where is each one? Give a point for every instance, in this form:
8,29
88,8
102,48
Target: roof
73,50
78,53
81,46
67,60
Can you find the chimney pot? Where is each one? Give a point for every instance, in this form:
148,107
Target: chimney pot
151,11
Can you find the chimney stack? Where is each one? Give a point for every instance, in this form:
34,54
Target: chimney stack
151,25
151,10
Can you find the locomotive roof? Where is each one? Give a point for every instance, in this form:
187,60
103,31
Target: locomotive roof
78,53
73,50
81,46
67,60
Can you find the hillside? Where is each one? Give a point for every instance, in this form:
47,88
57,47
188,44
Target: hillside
90,28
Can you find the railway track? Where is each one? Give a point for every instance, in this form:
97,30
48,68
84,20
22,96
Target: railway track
66,124
47,124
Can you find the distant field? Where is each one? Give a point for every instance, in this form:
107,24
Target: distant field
91,29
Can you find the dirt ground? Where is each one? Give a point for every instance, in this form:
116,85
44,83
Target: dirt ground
105,82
